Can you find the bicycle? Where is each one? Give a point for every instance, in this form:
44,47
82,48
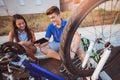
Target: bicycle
100,18
16,65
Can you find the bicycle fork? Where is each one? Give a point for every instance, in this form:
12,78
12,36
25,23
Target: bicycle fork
87,54
101,64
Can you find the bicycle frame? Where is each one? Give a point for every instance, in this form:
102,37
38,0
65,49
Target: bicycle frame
34,70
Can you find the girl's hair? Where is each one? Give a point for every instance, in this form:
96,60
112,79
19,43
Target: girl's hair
15,28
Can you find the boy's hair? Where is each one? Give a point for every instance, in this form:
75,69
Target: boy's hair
53,9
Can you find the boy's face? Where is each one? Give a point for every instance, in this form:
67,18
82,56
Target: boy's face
55,19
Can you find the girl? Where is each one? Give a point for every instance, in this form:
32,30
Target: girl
21,34
20,30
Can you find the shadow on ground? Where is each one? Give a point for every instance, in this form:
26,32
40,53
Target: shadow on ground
54,65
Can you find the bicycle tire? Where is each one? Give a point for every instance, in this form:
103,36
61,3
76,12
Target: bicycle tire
73,23
13,48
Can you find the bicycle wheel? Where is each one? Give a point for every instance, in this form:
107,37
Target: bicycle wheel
9,51
98,19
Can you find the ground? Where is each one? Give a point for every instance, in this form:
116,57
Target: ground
113,66
54,66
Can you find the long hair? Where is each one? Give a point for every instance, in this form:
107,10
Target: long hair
15,28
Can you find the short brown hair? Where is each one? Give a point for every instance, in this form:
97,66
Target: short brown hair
53,9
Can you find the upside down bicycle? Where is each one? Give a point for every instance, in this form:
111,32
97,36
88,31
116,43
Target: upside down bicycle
103,18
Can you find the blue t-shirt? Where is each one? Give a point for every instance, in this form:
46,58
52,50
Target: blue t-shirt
22,36
52,30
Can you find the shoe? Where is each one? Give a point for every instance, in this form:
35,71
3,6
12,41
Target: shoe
36,61
62,69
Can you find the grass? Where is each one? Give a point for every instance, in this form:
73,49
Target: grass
37,22
101,17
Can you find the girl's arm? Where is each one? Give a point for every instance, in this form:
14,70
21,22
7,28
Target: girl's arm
33,36
10,36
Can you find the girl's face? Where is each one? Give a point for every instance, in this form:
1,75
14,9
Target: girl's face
20,24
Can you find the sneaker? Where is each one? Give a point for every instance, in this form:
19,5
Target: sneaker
37,61
62,69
